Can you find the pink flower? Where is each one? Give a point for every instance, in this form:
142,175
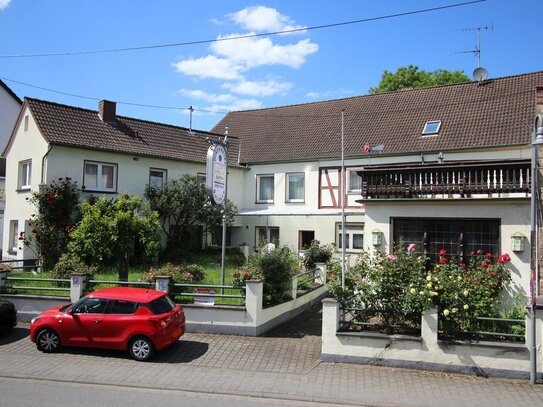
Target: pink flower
391,257
490,273
463,265
505,257
411,247
479,251
488,255
442,260
484,264
442,252
471,253
500,261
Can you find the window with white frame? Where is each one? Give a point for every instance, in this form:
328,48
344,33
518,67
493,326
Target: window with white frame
355,180
100,176
431,127
264,188
25,174
13,236
296,187
157,178
354,236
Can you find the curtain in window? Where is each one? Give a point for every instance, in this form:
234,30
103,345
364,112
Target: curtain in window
355,181
295,187
266,189
91,175
107,176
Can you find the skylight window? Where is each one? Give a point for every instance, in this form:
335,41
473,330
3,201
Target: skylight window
431,127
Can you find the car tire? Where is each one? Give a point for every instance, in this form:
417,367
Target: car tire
141,348
48,341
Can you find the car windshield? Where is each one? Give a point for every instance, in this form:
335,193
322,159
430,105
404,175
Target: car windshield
162,305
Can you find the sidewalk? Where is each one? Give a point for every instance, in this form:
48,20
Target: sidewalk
278,367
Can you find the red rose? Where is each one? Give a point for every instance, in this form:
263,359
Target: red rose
484,264
442,252
471,253
463,265
490,273
488,255
442,260
500,260
479,251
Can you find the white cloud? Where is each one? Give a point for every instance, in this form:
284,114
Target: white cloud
239,104
210,67
4,4
208,97
329,94
263,19
258,88
254,52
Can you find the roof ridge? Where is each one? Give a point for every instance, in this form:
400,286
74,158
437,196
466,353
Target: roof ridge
126,117
382,93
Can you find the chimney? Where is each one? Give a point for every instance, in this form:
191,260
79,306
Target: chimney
107,110
539,100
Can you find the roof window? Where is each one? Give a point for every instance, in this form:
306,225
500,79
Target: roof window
431,127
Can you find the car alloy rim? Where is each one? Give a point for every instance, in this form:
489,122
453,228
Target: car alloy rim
141,348
49,341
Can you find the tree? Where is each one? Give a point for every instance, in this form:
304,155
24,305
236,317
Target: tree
182,206
411,76
108,230
57,207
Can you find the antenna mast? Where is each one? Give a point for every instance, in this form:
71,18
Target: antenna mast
477,50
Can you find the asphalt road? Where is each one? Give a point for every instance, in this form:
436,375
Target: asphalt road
43,393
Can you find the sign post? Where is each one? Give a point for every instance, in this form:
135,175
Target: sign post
216,187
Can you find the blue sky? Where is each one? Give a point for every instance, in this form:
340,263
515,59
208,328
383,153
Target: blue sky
251,73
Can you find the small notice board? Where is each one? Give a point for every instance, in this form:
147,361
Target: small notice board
204,300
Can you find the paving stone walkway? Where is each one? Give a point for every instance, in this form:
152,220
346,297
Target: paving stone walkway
283,364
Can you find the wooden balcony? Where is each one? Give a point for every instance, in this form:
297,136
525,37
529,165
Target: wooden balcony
453,180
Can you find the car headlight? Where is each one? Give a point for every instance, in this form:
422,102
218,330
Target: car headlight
35,319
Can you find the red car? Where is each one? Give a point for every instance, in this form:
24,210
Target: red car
134,319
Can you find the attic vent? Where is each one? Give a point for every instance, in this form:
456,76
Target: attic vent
431,127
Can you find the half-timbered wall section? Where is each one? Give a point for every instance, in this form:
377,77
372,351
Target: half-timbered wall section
330,179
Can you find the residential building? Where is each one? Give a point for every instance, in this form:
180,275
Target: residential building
10,105
446,167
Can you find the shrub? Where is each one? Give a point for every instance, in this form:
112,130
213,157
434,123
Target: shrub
317,253
69,264
57,206
175,272
235,258
276,266
195,270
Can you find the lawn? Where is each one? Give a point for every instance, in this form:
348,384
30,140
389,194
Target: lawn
40,284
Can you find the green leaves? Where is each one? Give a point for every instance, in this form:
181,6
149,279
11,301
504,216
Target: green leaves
411,76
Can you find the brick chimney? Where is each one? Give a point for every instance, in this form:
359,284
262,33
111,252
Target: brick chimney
539,100
107,110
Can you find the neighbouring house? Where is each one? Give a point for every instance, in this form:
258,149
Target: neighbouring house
446,167
101,151
10,105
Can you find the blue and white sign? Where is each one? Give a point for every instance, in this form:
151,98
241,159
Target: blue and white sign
217,163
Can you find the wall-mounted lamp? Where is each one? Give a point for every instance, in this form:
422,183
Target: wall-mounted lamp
517,242
376,237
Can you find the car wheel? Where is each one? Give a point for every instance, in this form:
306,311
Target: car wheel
48,341
141,348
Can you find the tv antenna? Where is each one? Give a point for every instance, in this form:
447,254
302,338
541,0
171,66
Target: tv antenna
480,73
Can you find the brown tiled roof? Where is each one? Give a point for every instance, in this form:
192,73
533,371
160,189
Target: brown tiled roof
12,93
497,112
73,126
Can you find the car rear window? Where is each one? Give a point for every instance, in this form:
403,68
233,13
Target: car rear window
162,305
123,307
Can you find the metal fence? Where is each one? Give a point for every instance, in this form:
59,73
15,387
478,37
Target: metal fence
483,328
40,286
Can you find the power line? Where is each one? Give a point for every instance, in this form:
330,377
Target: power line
209,41
118,102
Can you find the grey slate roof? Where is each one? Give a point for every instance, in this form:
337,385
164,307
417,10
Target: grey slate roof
77,127
496,112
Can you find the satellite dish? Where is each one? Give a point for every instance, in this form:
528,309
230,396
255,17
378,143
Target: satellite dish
480,74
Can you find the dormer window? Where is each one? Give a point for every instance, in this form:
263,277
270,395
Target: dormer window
431,127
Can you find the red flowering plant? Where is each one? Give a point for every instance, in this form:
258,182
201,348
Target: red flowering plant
57,211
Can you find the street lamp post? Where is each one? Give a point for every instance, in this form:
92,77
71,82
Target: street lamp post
537,141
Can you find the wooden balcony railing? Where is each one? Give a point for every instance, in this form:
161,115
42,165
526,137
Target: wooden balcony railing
449,180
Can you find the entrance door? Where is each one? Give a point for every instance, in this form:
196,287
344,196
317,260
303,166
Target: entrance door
305,237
